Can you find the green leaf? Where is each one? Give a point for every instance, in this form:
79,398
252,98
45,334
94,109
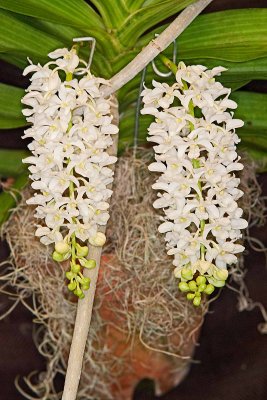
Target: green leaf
232,35
67,12
50,36
113,12
252,109
10,107
15,59
135,4
11,162
147,17
9,198
20,38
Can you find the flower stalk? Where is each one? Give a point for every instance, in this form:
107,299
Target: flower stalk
197,159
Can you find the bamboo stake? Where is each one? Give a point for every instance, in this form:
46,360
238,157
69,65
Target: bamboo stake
85,306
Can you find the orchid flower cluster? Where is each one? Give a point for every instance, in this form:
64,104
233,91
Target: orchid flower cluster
196,157
71,128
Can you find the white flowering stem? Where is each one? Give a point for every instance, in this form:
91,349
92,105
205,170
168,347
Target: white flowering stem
198,186
196,164
85,306
156,46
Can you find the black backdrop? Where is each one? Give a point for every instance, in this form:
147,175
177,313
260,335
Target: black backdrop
232,362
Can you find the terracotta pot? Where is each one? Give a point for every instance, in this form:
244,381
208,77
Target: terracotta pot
138,361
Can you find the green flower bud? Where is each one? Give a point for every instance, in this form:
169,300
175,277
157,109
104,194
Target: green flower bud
202,287
187,274
81,296
85,287
209,289
86,281
197,301
75,268
57,256
183,286
190,296
197,294
69,275
62,247
196,163
72,286
82,251
78,292
90,264
201,279
192,286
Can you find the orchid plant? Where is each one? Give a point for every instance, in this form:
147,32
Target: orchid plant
71,128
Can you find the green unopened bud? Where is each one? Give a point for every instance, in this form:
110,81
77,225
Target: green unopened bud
86,281
72,286
75,268
209,289
85,287
90,264
57,256
82,251
81,296
200,280
69,275
187,274
197,301
183,286
196,163
202,287
190,296
78,292
192,286
62,247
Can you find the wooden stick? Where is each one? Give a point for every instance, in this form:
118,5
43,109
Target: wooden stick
156,46
85,306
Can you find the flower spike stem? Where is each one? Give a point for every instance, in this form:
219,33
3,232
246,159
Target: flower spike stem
156,46
85,305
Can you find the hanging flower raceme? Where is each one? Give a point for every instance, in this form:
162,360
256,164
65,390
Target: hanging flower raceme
196,156
72,129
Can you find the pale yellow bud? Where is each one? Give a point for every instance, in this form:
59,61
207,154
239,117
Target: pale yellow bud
202,266
221,274
98,240
62,247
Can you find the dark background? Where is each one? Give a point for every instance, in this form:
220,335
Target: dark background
232,362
